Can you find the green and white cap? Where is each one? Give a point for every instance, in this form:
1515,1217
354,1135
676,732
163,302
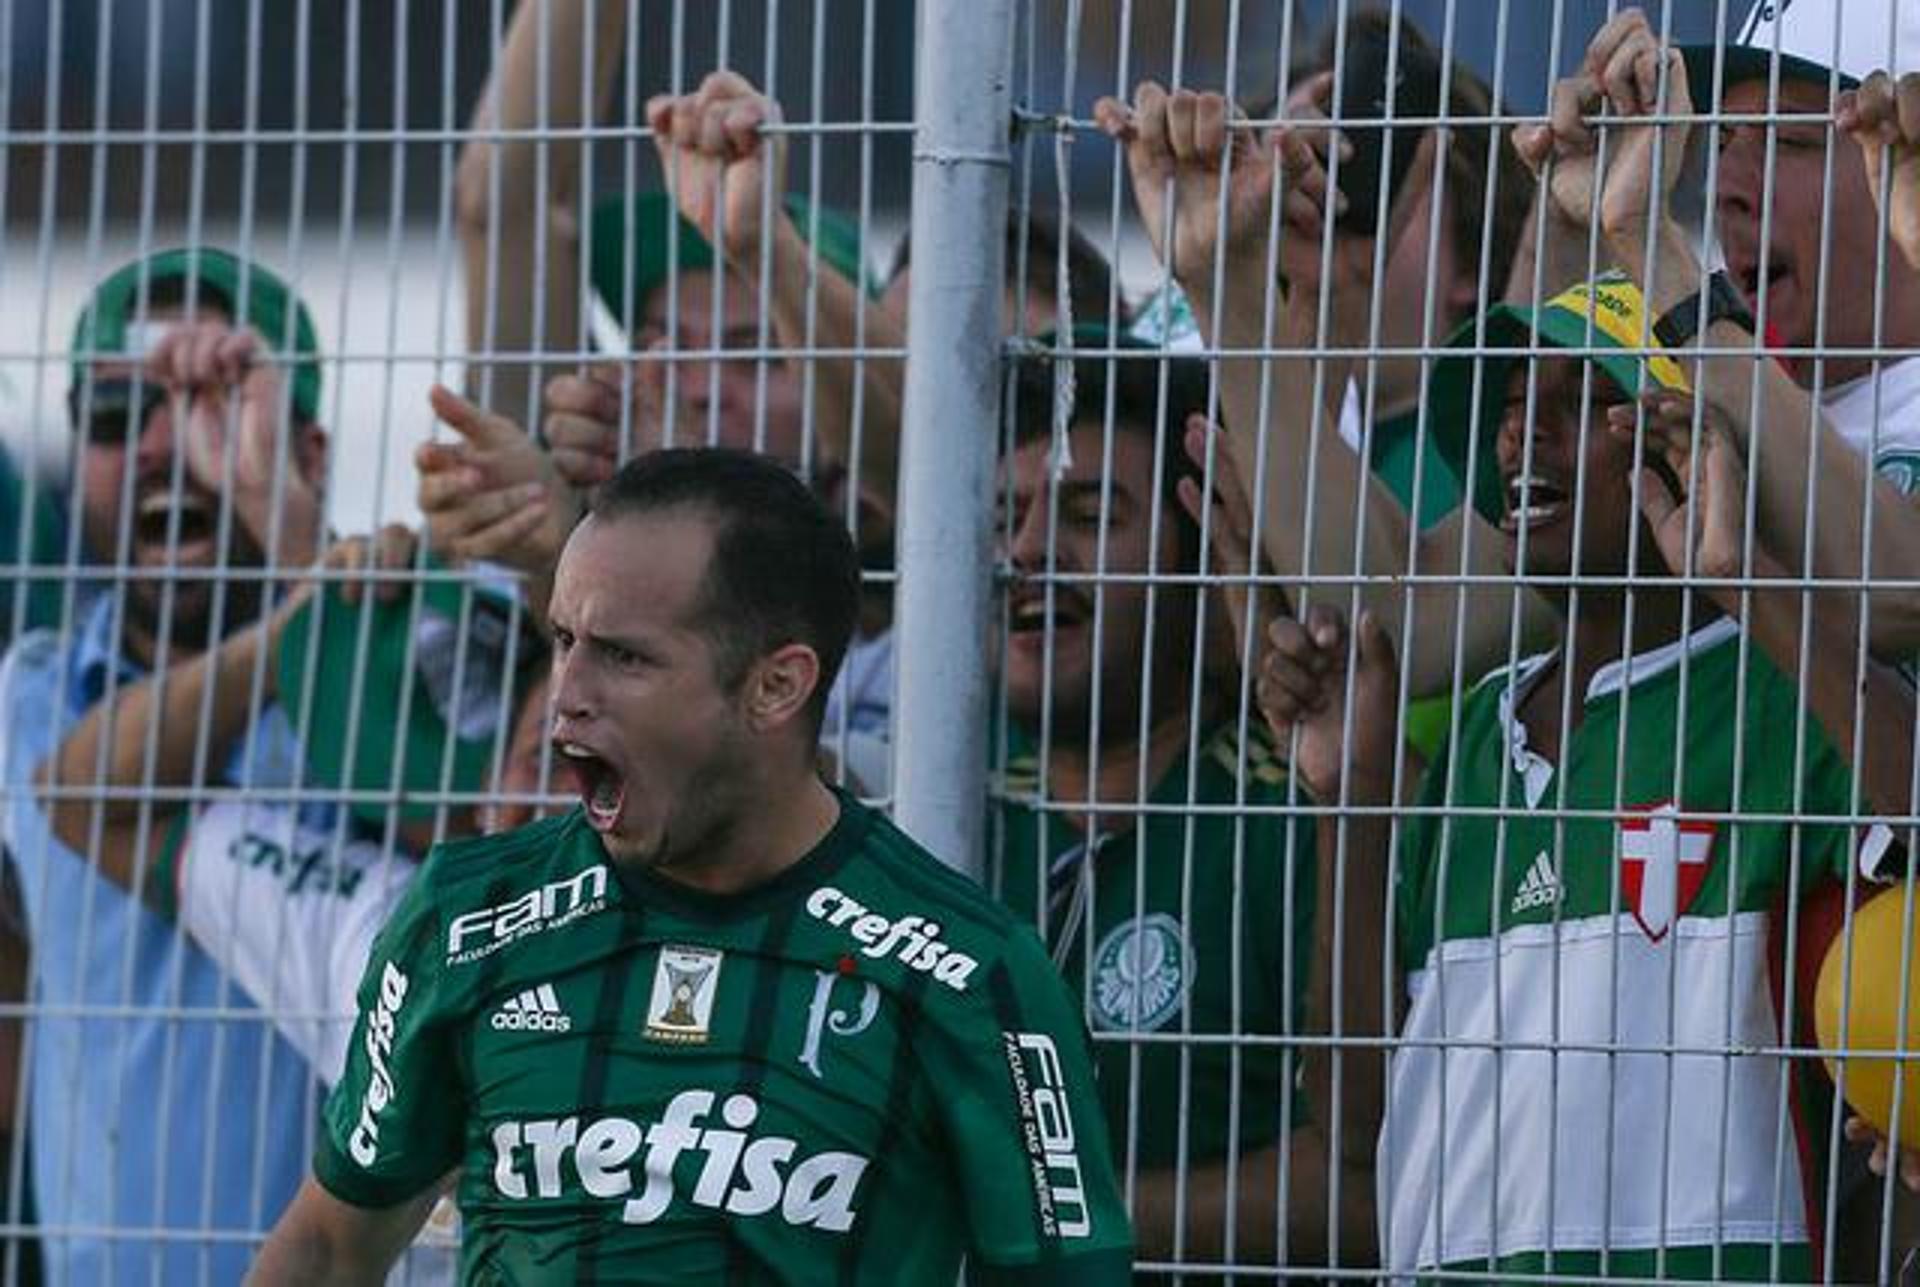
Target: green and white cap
434,692
1606,317
112,324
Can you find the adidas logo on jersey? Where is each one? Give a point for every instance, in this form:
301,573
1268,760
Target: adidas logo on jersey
535,1010
742,1174
1538,888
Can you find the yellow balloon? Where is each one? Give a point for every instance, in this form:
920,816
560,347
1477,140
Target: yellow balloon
1873,1012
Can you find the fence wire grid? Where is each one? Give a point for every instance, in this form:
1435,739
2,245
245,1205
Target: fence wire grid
1387,540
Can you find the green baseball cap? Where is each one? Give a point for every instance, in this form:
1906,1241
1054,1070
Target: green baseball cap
1607,314
108,324
616,264
466,669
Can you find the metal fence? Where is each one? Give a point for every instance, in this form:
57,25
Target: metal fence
1225,605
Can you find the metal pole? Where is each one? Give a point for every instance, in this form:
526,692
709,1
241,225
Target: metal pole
961,163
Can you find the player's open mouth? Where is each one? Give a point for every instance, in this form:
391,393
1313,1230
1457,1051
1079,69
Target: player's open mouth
175,522
1533,501
1027,612
602,789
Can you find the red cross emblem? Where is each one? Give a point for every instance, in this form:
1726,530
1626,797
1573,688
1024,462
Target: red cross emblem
1663,862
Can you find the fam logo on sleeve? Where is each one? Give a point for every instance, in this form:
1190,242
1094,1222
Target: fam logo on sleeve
1046,1127
1663,863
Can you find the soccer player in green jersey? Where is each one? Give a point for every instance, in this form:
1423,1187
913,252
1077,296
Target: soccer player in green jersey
1605,868
720,1023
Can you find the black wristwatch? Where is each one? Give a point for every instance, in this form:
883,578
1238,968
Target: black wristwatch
1678,325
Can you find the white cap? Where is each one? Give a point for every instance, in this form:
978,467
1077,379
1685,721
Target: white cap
1854,37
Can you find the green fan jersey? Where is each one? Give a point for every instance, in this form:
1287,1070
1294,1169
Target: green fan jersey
858,1072
1557,948
1191,917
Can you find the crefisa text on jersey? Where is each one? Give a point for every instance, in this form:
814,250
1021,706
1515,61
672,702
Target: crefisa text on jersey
473,935
365,1141
743,1175
913,940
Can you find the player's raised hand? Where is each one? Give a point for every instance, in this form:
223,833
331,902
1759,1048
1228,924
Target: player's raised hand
492,495
1305,688
1711,513
1883,117
718,162
231,407
1628,71
1178,145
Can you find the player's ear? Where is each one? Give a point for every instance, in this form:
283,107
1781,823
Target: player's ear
780,685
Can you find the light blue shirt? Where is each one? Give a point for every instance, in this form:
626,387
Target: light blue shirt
169,1126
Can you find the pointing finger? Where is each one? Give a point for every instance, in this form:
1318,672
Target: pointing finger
481,428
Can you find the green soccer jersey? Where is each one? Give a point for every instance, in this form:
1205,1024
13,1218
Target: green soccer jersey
857,1073
1553,960
1180,922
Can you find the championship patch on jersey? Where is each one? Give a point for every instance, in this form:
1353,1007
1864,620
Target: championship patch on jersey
685,980
1663,863
1142,972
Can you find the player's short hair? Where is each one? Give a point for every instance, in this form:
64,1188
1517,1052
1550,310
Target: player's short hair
783,568
1136,379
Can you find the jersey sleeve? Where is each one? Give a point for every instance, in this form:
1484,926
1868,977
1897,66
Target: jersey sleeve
1012,1075
393,1124
291,914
